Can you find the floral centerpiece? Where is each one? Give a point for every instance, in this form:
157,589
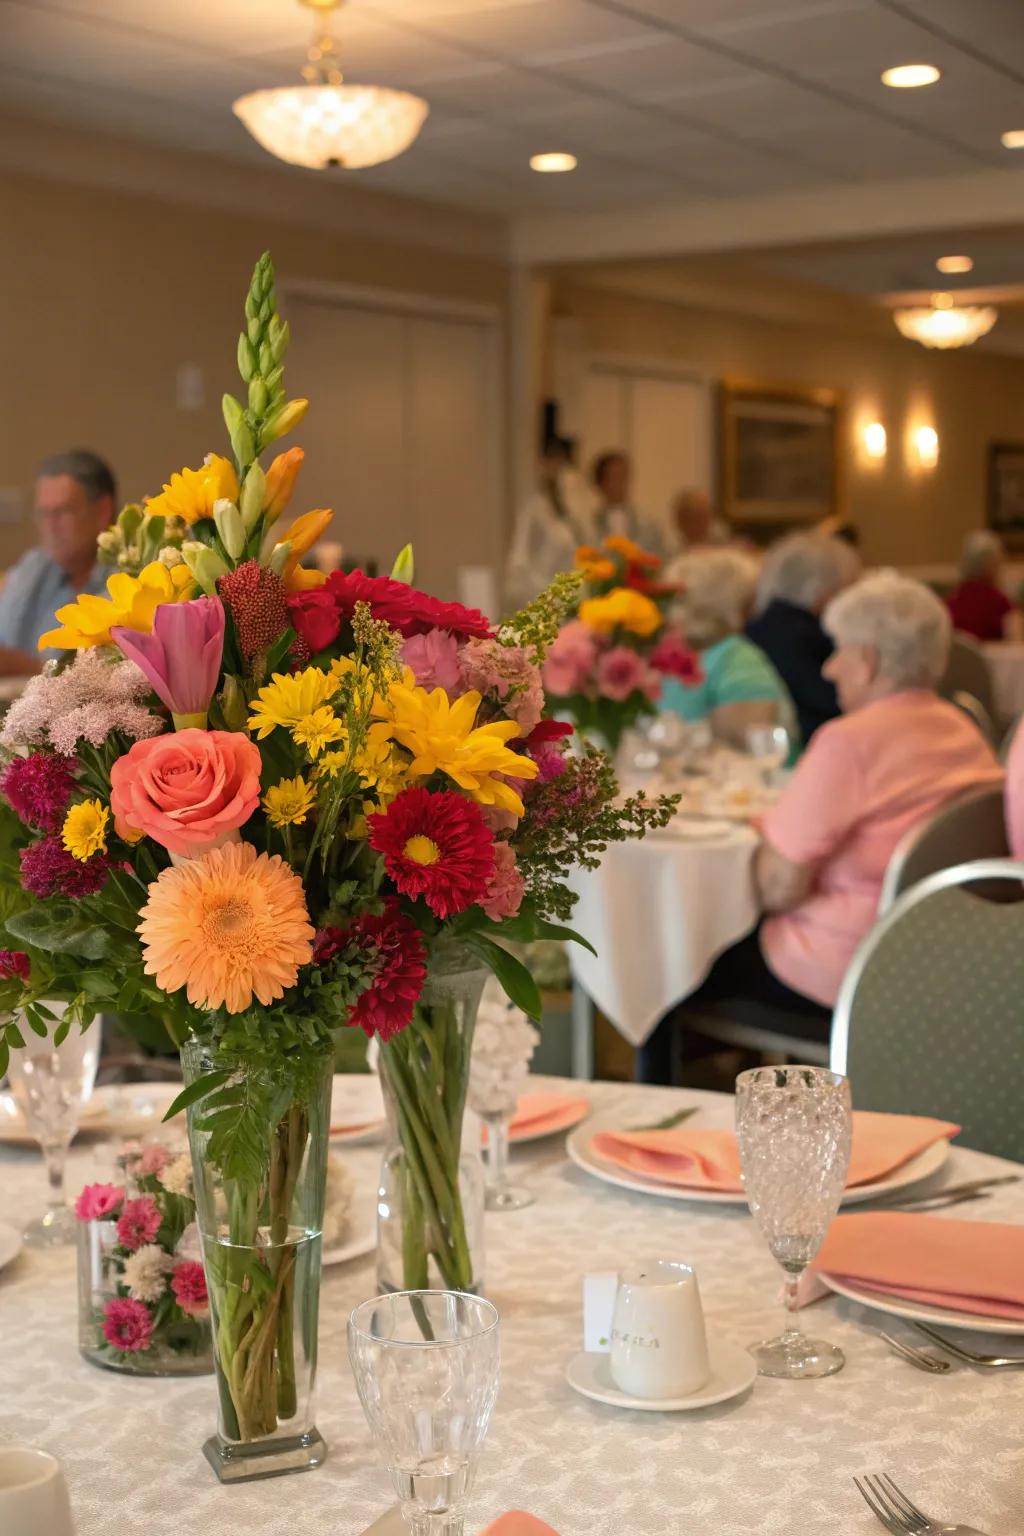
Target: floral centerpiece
144,1305
605,667
263,804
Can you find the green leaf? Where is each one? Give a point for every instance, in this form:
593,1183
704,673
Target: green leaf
519,985
35,1024
62,1031
57,927
5,1055
15,1036
196,1091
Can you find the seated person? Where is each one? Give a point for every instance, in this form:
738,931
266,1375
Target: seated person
75,500
799,576
894,756
740,687
979,606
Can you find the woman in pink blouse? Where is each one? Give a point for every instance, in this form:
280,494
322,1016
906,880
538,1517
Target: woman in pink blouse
893,757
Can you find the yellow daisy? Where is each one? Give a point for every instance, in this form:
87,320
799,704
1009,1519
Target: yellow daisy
289,802
622,608
85,830
442,737
191,493
132,603
317,730
290,698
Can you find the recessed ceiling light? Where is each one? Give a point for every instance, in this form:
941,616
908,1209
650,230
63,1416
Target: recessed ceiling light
1014,139
949,264
906,76
552,162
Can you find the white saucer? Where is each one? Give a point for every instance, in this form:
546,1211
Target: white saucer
732,1371
10,1245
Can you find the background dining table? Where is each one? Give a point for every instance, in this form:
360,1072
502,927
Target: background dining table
1006,664
776,1461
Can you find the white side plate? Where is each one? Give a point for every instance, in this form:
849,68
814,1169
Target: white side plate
732,1371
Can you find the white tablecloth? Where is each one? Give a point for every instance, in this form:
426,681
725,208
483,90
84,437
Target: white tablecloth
1006,663
659,912
775,1462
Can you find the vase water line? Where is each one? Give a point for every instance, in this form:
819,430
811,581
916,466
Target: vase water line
261,1238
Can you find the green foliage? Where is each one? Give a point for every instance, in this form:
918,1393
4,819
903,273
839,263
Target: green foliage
538,623
519,985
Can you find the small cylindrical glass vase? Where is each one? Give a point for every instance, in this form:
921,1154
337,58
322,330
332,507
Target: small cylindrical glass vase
117,1330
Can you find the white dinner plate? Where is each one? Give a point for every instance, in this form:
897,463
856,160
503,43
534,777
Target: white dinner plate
702,829
732,1371
361,1233
10,1244
571,1115
579,1149
919,1311
357,1108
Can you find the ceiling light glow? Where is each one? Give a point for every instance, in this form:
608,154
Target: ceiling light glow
906,77
552,162
951,326
952,264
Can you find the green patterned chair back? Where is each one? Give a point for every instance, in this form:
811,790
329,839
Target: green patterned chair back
930,1017
972,826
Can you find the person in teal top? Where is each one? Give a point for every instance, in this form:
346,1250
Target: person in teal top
740,687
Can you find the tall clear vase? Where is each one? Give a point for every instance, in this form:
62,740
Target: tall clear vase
430,1210
261,1231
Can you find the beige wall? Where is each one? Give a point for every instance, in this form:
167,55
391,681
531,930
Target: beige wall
906,514
106,290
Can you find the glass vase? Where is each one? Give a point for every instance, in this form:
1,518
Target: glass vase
430,1208
260,1213
170,1344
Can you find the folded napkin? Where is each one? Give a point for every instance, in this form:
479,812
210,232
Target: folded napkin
968,1266
704,1159
516,1522
536,1112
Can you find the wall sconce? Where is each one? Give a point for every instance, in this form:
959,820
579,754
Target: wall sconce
874,440
926,442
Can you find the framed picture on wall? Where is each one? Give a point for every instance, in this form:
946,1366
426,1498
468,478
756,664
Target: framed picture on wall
779,448
1006,492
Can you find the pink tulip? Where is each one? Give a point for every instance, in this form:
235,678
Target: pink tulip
182,656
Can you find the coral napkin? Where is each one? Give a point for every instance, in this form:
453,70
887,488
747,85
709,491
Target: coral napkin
968,1266
706,1159
539,1112
518,1523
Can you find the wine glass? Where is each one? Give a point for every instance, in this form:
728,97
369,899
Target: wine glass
769,745
500,1193
50,1087
794,1126
426,1369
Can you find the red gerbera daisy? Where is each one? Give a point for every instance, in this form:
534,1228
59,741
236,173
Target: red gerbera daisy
437,846
401,606
400,967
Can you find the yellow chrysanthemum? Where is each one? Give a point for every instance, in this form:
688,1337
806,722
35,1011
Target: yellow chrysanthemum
594,565
317,730
443,738
191,493
289,802
622,609
290,698
85,830
132,603
627,548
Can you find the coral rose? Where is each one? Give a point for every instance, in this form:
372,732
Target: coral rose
187,791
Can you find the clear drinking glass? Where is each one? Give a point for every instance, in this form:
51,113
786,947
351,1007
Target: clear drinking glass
426,1368
793,1126
50,1087
769,746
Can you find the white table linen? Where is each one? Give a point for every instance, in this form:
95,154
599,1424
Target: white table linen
1006,663
777,1461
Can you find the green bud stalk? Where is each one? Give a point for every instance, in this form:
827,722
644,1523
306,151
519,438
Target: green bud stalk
230,526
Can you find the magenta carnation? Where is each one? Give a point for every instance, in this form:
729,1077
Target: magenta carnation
15,965
38,788
98,1201
505,893
138,1223
189,1286
127,1325
674,658
47,869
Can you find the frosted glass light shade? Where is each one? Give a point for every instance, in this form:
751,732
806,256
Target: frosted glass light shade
951,327
321,126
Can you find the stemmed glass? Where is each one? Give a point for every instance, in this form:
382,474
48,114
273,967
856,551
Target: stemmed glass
500,1193
50,1086
769,746
426,1369
794,1127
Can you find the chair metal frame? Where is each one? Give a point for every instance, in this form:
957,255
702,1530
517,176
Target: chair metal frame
912,840
944,879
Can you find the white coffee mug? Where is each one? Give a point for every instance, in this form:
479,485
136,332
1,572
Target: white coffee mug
658,1345
33,1493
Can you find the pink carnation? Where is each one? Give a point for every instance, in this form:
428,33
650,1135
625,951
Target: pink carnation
569,664
505,892
153,1158
509,671
98,1201
674,658
127,1325
189,1286
138,1223
620,672
434,658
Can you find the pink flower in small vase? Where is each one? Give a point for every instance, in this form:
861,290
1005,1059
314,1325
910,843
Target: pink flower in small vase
127,1325
98,1201
189,1286
620,672
152,1159
434,658
505,893
569,664
138,1223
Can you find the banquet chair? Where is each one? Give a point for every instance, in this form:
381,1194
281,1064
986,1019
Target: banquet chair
928,1019
968,670
973,826
976,711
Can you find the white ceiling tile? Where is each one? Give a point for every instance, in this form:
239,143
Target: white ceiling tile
874,150
727,15
993,27
649,65
523,29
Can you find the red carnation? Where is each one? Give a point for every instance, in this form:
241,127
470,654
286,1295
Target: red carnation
437,846
399,964
315,618
255,596
14,963
47,869
674,658
403,607
546,731
38,788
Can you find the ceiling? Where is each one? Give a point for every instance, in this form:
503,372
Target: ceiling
662,100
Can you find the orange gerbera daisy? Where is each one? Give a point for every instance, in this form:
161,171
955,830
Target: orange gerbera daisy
227,926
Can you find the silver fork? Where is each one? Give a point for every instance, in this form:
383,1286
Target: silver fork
901,1517
985,1362
924,1362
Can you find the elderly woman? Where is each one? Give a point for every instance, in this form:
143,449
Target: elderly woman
978,605
895,755
740,687
800,574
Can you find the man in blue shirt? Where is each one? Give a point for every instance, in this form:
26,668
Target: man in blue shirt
75,499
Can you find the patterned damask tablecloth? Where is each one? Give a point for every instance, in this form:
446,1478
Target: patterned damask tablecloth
774,1463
